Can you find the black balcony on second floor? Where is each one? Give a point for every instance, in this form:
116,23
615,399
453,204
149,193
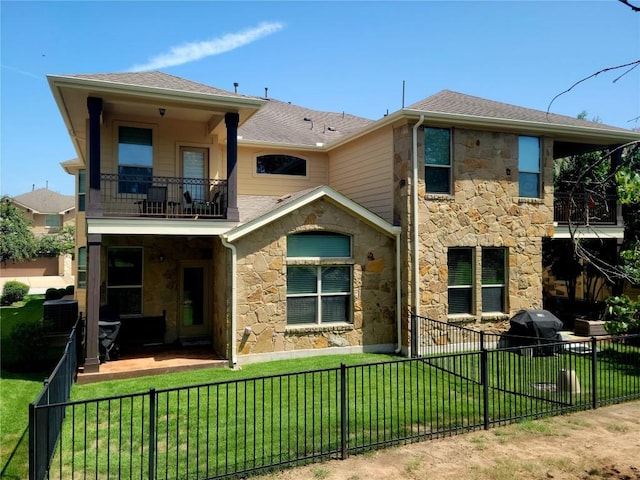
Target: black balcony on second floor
164,197
585,209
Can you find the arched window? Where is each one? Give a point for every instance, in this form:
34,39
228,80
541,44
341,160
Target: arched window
281,165
319,278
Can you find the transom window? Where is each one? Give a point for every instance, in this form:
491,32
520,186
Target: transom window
135,159
529,166
124,279
281,165
437,160
319,293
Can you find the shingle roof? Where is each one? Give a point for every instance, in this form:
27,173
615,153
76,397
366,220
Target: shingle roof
157,80
44,200
254,206
281,122
447,101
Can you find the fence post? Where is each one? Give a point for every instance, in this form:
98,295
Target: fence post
484,381
594,372
152,433
481,340
343,410
32,442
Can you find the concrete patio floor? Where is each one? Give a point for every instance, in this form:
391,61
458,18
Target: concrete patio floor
154,362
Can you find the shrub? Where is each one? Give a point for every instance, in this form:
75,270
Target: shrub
53,294
69,290
31,344
623,315
13,291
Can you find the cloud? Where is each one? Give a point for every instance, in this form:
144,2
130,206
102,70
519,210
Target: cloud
191,52
23,72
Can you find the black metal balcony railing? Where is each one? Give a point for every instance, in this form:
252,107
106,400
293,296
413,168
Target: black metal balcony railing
585,209
166,197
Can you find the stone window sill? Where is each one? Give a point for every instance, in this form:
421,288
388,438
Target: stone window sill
304,329
438,197
533,201
494,317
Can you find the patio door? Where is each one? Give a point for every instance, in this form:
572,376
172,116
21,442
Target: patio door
195,305
194,172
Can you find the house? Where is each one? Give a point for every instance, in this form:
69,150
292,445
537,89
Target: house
270,230
47,211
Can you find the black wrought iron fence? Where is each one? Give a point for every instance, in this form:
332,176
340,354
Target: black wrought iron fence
234,428
45,424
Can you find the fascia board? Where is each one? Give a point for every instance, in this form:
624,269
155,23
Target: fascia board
328,192
160,226
66,118
206,99
281,146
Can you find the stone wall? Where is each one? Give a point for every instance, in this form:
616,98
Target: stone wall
262,285
484,210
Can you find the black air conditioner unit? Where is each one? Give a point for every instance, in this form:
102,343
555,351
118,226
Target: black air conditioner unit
60,314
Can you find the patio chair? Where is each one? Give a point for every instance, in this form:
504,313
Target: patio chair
156,201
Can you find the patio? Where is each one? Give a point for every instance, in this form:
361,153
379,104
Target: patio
153,362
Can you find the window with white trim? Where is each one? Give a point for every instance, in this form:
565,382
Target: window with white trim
319,287
460,265
52,221
82,178
437,160
135,159
124,279
529,167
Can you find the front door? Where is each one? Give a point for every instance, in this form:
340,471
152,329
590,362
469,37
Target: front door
194,172
195,306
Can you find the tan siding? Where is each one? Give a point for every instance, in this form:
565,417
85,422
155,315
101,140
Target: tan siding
250,182
363,171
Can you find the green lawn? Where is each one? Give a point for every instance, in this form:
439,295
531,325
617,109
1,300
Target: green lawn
17,389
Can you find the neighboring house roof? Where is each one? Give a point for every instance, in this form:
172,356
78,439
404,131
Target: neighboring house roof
279,122
274,208
45,201
157,80
450,102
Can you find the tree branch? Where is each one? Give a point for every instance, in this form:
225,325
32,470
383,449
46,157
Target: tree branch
632,7
630,64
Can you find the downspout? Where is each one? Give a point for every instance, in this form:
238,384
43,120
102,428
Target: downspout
398,296
232,357
414,213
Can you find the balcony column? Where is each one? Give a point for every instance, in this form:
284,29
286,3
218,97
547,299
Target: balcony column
92,354
231,121
94,205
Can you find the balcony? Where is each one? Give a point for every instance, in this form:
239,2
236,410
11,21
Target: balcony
164,197
585,209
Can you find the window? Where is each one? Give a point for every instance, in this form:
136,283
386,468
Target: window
135,159
124,279
82,267
319,293
281,165
493,279
52,221
460,263
437,160
529,166
82,178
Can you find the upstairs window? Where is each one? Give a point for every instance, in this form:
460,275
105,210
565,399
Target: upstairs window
493,279
318,292
82,267
135,159
82,179
529,167
281,165
437,160
460,266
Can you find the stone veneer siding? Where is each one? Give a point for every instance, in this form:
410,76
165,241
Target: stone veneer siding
484,210
262,285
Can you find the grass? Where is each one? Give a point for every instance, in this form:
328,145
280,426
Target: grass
18,388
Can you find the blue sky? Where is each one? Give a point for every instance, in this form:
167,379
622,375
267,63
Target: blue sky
334,56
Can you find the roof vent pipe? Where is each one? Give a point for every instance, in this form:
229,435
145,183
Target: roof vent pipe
235,86
266,92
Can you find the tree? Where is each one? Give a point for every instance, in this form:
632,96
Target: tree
56,244
17,242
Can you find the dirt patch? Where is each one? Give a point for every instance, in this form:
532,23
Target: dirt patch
590,445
